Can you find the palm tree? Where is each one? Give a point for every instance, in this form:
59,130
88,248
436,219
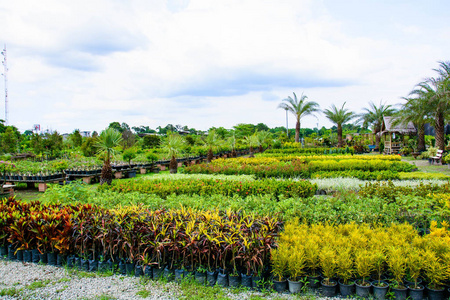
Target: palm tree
437,93
211,141
374,116
105,144
339,117
251,140
299,108
262,137
415,110
173,144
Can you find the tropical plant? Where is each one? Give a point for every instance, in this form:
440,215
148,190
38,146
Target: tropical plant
374,116
211,141
339,117
173,144
105,144
436,92
299,108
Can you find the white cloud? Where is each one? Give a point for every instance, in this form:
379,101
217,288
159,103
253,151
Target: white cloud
199,63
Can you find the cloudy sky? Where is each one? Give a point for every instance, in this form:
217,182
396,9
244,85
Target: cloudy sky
202,63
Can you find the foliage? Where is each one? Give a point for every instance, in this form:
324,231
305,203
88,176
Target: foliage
164,188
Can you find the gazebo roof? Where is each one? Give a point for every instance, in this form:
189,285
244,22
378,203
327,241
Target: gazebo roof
401,128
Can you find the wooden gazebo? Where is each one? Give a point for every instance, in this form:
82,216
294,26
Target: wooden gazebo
393,134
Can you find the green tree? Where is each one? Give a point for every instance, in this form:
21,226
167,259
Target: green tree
436,91
299,108
242,130
415,110
151,141
88,147
76,138
374,116
339,116
9,140
105,144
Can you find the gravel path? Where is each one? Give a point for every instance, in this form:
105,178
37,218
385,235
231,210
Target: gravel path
32,281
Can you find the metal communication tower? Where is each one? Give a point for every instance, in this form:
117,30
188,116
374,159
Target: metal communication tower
5,74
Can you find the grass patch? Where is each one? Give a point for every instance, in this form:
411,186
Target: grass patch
10,292
143,293
423,175
37,284
192,290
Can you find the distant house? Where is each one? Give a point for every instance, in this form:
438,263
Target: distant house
85,133
393,134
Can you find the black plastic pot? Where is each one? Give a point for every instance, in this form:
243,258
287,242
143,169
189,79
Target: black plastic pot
85,264
436,294
77,262
138,271
346,289
211,278
122,268
130,268
61,260
329,290
43,258
257,283
380,289
222,279
200,277
416,293
19,254
400,293
51,259
93,265
280,286
27,256
363,290
71,261
11,252
103,266
168,274
148,271
234,280
3,251
246,281
179,275
314,281
157,273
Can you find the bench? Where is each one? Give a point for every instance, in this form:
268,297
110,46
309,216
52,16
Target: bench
438,158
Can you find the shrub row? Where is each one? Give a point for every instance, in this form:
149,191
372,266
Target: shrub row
351,251
177,238
271,167
187,186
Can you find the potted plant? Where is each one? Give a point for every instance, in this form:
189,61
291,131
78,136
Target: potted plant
396,259
436,271
380,287
415,263
345,270
296,266
364,264
280,258
328,264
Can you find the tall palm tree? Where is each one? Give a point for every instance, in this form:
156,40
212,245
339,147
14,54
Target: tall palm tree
437,92
339,116
374,116
415,110
299,108
105,144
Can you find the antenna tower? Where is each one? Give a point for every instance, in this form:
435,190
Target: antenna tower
5,74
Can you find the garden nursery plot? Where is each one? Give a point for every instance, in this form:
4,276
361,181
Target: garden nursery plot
335,224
